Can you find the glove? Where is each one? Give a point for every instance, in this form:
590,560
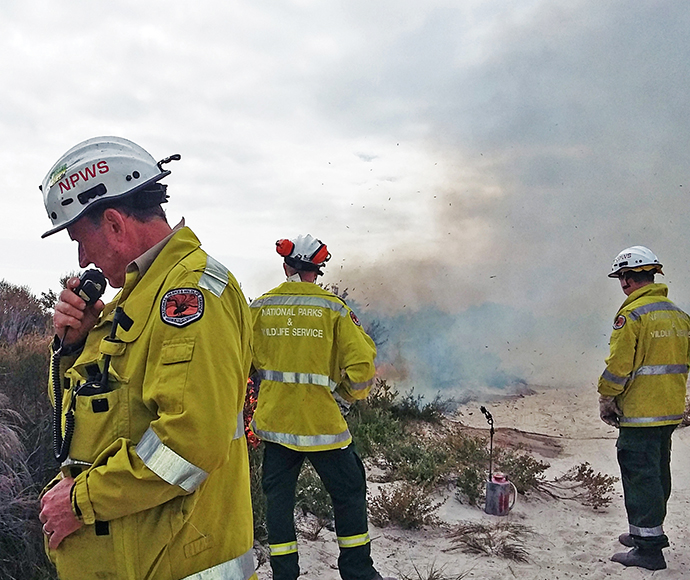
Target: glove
343,404
609,411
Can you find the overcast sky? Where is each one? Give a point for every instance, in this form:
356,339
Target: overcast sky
482,160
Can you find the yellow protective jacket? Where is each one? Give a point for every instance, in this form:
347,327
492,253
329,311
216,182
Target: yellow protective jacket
163,488
308,344
648,366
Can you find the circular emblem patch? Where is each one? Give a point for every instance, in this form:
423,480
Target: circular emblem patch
182,306
619,322
354,318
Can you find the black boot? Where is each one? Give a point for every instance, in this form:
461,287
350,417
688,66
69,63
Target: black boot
649,559
626,540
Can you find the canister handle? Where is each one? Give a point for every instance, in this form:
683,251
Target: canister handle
515,492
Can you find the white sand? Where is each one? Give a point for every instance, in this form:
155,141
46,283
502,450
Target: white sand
570,540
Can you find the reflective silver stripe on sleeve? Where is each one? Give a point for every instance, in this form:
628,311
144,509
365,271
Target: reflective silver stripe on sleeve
167,464
654,307
609,376
300,301
647,532
241,568
298,378
301,440
661,370
637,420
239,431
215,276
361,386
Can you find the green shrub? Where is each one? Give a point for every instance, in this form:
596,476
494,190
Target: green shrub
311,496
413,408
418,461
583,484
470,483
522,469
407,505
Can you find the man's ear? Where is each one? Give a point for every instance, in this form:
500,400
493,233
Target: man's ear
113,221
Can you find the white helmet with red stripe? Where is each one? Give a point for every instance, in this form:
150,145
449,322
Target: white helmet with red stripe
304,253
96,171
636,259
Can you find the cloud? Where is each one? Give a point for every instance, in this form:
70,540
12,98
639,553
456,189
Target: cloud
451,155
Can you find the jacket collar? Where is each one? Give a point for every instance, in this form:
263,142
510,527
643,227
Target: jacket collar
137,297
647,290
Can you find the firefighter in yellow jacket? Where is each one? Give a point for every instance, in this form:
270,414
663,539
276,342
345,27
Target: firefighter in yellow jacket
642,393
149,389
311,355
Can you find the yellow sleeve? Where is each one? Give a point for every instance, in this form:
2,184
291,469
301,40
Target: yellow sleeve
356,354
620,362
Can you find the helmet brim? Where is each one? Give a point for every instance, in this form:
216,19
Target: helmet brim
105,201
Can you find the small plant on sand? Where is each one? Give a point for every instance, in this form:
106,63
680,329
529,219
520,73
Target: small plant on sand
583,484
312,499
417,460
524,471
407,505
432,573
470,485
415,409
503,539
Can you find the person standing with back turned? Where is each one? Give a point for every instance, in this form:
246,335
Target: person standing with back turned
311,353
148,389
642,393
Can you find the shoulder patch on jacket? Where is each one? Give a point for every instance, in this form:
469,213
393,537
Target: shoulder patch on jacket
182,306
619,322
354,318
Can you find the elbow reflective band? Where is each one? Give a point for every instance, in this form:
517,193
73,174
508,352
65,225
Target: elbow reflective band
215,277
637,420
241,568
647,532
300,301
167,464
361,386
353,541
661,370
298,378
301,440
655,307
283,549
609,376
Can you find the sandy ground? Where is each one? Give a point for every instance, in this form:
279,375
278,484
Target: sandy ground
569,540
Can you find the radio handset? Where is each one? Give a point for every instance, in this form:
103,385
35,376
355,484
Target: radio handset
92,284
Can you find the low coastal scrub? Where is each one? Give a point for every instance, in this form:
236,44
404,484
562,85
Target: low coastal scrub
407,506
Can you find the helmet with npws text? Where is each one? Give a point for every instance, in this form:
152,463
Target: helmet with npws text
304,253
635,259
97,171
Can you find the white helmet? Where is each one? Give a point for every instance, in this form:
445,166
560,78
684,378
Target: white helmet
96,170
637,259
304,253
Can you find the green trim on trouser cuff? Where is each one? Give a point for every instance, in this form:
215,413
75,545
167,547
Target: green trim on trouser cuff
283,549
354,541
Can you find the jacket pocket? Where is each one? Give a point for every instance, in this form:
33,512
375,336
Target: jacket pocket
175,357
97,421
